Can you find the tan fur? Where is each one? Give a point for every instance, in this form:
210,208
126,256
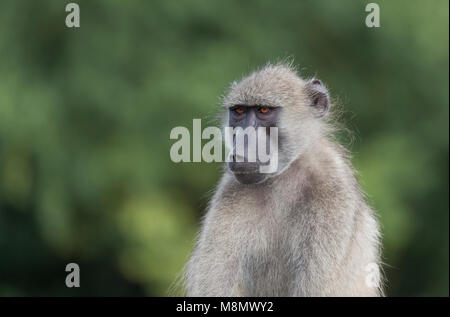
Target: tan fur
306,231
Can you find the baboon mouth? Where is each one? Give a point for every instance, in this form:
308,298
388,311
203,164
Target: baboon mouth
244,168
245,172
250,178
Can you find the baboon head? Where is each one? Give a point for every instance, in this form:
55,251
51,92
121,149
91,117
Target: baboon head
272,97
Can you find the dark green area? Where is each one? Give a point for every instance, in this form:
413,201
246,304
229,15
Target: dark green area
85,117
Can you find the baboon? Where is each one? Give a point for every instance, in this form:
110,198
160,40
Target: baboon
303,230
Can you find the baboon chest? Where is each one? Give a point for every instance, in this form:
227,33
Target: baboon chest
267,271
263,254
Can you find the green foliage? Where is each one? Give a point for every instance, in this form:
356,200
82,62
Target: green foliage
85,117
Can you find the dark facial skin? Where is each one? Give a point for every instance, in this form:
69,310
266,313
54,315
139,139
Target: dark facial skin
251,116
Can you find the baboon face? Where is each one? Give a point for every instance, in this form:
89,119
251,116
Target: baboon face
257,119
273,97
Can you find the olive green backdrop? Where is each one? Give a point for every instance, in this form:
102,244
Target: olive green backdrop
85,117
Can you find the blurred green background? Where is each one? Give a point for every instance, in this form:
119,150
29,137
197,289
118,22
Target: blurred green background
85,117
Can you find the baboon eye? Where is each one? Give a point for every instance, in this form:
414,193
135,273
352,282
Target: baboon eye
239,110
264,110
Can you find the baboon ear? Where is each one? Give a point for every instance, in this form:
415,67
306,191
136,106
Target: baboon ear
319,97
